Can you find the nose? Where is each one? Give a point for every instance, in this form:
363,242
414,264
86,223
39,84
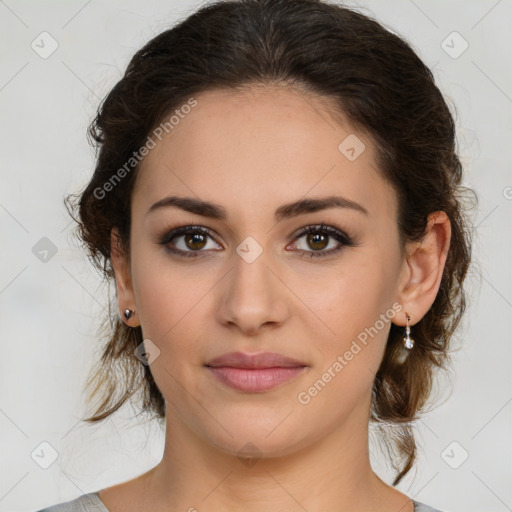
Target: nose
253,296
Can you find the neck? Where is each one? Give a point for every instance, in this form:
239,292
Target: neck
331,472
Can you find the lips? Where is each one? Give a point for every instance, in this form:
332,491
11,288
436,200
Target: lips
254,361
253,373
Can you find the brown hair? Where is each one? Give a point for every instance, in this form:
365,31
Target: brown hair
375,79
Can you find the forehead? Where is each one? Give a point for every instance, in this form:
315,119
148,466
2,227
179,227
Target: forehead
259,147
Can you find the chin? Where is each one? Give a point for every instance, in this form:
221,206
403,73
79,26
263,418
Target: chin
257,435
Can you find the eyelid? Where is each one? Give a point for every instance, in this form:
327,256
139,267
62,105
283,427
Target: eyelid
320,227
343,239
170,233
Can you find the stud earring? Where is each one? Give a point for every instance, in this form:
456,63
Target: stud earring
128,313
408,341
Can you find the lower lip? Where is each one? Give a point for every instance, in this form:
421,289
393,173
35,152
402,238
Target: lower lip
254,380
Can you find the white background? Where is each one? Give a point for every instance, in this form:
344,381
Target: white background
49,310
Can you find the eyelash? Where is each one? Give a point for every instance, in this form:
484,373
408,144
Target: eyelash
341,237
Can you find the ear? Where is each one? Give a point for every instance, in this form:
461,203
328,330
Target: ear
423,268
122,272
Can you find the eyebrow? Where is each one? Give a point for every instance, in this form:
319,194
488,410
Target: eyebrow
215,211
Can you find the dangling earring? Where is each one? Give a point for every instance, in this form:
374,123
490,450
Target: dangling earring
408,341
128,313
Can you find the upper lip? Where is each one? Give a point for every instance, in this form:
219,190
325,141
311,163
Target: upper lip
261,360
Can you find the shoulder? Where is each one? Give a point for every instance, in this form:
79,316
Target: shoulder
86,503
91,503
421,507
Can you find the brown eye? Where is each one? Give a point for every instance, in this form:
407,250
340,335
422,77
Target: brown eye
319,238
195,241
189,241
317,241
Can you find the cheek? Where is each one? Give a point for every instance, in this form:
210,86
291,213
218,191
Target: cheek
171,302
176,308
164,296
354,296
357,306
360,313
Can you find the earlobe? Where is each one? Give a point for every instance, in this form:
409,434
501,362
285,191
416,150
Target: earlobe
425,263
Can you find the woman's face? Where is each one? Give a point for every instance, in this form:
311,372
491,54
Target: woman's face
254,283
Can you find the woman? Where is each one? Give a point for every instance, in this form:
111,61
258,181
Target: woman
277,197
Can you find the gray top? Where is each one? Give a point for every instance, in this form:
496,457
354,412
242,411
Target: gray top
91,503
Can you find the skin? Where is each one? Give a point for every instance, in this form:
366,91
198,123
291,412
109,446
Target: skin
252,151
